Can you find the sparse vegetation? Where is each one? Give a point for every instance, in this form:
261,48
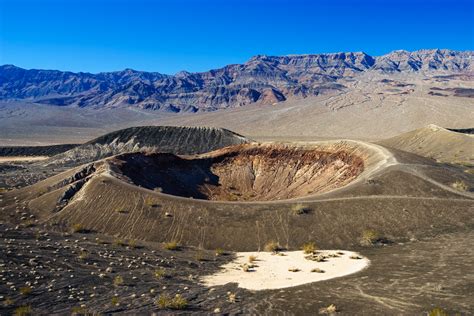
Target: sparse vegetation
437,312
23,311
78,310
294,270
8,302
199,256
309,248
132,243
83,255
317,270
460,186
115,301
160,273
120,242
26,290
78,228
330,310
231,297
118,280
272,246
369,237
219,252
177,302
300,209
150,201
252,258
122,211
172,245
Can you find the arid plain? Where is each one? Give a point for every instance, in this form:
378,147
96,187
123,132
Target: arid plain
355,200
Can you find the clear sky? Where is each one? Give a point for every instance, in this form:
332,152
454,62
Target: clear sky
169,36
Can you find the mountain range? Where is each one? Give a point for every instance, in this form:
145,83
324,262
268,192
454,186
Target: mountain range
262,80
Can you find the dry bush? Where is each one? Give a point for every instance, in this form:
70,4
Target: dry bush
330,310
300,209
309,248
166,302
78,310
23,311
199,256
120,242
437,312
252,258
369,237
317,270
272,246
132,243
171,245
294,270
83,255
7,302
232,297
78,228
460,186
115,301
26,290
118,280
160,273
220,252
122,211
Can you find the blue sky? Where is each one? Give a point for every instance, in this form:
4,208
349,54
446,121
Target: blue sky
174,35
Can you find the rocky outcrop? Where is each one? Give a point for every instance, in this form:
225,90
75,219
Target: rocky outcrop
262,79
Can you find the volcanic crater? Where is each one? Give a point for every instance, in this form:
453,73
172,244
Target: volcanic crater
249,172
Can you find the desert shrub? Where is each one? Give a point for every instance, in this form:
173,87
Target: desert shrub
294,270
122,211
166,302
355,257
115,301
23,311
300,209
78,228
118,280
219,252
26,290
272,246
78,310
120,242
309,248
132,243
171,245
437,312
83,255
232,297
369,237
460,185
7,302
160,273
247,267
199,256
317,270
330,310
252,258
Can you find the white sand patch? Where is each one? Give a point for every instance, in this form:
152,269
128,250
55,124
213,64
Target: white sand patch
22,158
271,271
